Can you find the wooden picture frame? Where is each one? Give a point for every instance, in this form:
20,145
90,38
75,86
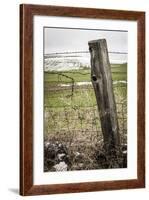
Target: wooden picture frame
27,13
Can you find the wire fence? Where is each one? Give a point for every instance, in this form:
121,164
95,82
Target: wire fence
70,112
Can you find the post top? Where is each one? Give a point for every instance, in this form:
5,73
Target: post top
97,41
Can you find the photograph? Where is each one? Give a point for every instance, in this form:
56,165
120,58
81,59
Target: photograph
85,98
82,99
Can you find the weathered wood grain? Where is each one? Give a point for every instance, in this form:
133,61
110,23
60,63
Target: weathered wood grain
102,82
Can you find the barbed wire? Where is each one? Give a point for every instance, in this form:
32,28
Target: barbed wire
55,54
70,114
68,117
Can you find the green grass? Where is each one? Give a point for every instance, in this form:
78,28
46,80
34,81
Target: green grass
81,97
77,75
119,72
121,68
65,110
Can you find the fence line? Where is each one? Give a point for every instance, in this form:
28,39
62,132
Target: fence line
81,52
71,117
63,97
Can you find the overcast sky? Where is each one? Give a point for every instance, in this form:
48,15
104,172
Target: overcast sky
61,40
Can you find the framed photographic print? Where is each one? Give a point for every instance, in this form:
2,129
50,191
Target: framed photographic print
82,99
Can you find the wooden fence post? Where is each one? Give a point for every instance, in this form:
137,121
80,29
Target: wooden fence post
102,82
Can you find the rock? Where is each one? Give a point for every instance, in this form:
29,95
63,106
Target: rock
47,144
55,156
61,156
62,166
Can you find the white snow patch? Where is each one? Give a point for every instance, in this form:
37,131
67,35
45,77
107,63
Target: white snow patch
89,83
116,82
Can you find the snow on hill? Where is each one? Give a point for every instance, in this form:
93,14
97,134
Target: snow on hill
64,63
73,62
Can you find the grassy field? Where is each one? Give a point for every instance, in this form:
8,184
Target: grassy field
70,112
119,72
57,97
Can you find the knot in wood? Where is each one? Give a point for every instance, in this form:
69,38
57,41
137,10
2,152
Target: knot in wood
94,78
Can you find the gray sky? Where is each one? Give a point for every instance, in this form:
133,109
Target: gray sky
61,40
